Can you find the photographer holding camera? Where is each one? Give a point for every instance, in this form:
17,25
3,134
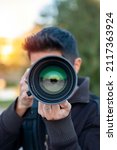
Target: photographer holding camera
70,124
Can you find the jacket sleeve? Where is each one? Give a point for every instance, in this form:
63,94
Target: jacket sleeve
64,135
90,135
10,124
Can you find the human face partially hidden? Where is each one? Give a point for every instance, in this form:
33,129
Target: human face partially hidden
34,56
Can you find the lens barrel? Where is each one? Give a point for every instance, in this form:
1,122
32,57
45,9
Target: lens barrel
52,79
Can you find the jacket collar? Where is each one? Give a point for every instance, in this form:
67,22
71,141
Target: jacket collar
81,94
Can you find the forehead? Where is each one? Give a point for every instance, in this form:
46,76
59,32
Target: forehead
34,56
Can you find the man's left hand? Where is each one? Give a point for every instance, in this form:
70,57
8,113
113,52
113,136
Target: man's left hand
54,111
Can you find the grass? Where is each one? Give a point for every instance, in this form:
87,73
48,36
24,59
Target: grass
5,104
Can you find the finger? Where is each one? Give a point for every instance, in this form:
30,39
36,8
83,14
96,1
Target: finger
55,108
44,110
24,87
24,99
47,111
47,108
23,82
24,77
40,109
65,105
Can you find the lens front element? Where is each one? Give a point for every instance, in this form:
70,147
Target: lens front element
53,79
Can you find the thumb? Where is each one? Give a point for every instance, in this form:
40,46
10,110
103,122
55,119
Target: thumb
24,77
65,105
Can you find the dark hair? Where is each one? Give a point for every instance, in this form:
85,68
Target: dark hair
53,38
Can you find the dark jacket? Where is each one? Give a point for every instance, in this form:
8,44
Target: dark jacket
79,131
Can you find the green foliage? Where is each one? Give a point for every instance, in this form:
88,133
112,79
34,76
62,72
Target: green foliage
82,18
5,104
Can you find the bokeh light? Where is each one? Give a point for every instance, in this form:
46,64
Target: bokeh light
2,83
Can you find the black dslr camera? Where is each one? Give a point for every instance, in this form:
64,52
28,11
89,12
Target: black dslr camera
52,80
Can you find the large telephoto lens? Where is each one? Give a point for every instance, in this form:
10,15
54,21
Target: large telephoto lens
52,80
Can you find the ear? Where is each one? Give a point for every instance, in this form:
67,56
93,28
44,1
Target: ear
77,64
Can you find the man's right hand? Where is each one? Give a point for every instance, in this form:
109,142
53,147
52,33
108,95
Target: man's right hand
24,101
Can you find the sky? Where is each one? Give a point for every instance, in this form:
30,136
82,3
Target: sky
19,16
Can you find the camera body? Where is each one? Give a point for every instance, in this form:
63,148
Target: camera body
52,80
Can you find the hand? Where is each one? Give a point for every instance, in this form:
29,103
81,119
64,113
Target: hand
24,101
55,111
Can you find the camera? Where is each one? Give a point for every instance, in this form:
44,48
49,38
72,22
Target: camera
52,80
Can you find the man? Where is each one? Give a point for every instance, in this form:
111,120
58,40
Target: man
70,125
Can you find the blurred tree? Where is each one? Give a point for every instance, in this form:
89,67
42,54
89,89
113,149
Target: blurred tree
82,18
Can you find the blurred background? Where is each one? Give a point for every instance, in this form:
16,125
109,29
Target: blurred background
21,18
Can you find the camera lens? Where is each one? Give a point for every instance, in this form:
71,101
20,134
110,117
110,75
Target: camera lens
53,79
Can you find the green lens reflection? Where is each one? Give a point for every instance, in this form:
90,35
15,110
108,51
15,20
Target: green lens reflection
53,79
